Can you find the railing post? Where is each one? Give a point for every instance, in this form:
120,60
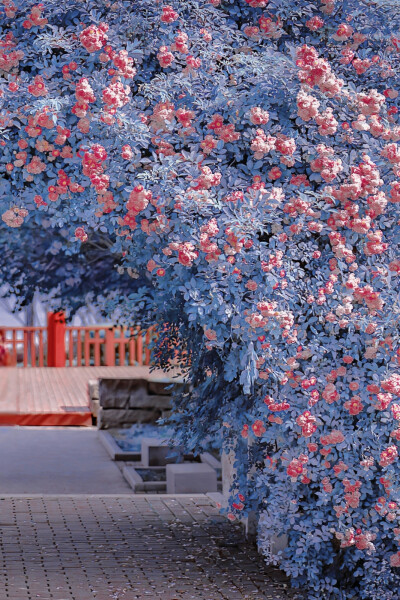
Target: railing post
110,348
56,355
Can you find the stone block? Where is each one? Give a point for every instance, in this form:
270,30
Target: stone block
209,459
93,389
123,393
93,397
159,388
191,478
114,417
157,453
161,402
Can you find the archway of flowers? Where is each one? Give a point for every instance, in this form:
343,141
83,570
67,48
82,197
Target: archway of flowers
243,157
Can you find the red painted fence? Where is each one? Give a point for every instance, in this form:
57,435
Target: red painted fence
61,345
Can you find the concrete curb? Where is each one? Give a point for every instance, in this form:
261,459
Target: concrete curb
139,485
115,452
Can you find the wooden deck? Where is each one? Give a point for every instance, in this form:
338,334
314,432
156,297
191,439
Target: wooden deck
53,396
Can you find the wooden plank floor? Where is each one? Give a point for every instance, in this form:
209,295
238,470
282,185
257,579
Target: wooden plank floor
53,396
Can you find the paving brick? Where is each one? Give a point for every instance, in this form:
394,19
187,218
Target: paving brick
127,548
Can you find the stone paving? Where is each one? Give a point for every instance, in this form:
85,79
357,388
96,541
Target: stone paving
56,460
92,547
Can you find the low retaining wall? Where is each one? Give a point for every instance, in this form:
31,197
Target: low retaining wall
123,402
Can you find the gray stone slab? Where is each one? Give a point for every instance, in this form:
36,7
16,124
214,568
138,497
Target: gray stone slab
157,453
122,393
115,417
209,459
191,478
159,388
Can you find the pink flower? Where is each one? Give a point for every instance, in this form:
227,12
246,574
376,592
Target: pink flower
151,265
285,145
307,423
388,456
35,166
276,406
14,217
395,192
84,92
327,122
126,152
271,29
330,393
314,23
361,65
185,116
295,468
307,106
354,406
38,87
392,385
274,173
262,144
168,14
210,334
343,32
395,559
258,116
165,57
180,43
257,3
370,103
186,254
80,234
258,428
252,286
116,95
335,437
139,199
93,38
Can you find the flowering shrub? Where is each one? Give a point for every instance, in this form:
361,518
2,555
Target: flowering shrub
245,156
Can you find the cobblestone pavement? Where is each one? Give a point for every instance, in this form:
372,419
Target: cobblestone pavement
126,547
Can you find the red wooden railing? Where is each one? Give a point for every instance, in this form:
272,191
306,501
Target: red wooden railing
60,345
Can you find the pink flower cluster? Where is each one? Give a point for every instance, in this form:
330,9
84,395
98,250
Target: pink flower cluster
38,87
92,167
315,71
9,58
333,438
307,423
392,384
116,95
259,116
296,467
35,18
168,14
14,217
388,456
85,96
94,37
226,133
325,164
